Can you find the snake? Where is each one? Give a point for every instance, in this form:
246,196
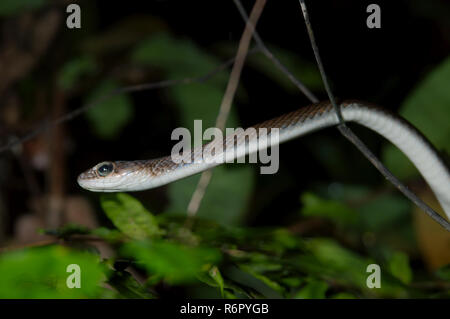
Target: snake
138,175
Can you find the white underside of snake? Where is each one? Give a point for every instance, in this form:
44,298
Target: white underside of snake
138,175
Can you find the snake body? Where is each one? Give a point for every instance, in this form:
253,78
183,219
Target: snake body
139,175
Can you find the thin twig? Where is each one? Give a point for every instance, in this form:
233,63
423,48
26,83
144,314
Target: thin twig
127,89
227,100
348,133
345,130
319,61
273,58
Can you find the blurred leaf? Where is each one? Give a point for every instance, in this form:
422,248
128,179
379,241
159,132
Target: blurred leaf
173,262
108,234
9,7
225,200
336,211
427,107
109,116
73,70
345,266
199,101
399,267
303,70
230,289
41,273
129,216
444,273
384,212
126,32
179,57
340,259
213,278
248,268
217,277
314,289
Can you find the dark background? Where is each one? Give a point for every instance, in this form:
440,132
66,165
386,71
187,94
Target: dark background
377,65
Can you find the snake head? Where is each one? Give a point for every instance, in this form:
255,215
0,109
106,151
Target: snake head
99,177
112,176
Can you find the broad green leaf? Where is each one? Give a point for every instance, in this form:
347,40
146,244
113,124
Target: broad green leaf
225,198
42,273
130,216
9,7
336,211
75,69
174,263
314,289
399,267
109,116
428,108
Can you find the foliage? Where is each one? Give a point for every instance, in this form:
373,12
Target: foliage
41,273
236,262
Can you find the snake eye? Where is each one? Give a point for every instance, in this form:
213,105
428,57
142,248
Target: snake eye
105,169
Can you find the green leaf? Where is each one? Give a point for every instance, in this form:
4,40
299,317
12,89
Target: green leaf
10,7
336,211
42,273
314,289
214,273
427,108
444,272
331,260
248,268
172,262
399,267
226,197
179,57
384,212
127,286
130,216
109,116
75,69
